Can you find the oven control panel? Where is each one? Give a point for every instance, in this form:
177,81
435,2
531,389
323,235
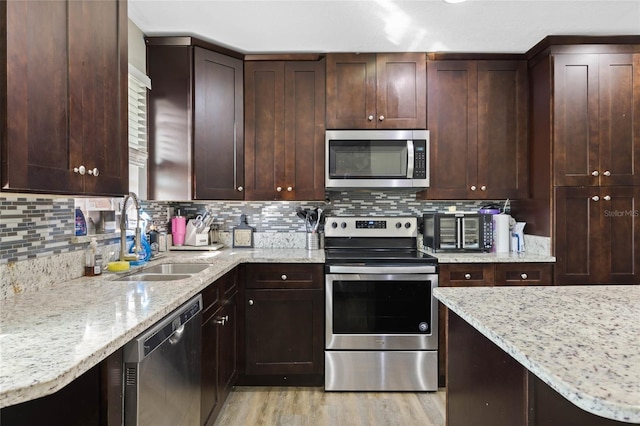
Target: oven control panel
357,226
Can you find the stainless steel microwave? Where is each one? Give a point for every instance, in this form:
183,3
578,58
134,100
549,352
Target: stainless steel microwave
376,159
459,232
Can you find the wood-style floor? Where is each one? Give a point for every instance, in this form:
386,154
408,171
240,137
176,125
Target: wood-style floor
311,406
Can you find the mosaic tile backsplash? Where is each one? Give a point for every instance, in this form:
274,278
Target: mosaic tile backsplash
33,226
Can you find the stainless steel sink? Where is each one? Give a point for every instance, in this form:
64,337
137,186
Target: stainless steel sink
176,268
144,276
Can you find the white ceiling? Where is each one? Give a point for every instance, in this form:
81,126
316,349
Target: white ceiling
265,26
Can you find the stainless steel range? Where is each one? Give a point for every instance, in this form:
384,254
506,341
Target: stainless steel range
381,318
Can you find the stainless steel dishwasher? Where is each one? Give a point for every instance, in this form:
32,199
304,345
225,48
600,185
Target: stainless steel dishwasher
162,370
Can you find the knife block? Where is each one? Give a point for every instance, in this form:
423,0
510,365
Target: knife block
193,238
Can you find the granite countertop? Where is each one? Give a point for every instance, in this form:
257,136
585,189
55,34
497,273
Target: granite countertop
583,341
492,257
51,336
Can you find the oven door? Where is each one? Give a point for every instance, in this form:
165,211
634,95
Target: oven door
381,311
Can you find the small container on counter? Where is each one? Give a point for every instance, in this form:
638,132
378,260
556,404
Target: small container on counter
92,260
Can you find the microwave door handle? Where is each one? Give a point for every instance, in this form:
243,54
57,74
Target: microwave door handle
410,159
460,232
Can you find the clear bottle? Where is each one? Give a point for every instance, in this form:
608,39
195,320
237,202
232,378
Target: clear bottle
90,259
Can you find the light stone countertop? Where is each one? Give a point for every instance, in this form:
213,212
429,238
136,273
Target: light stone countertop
583,341
51,336
492,257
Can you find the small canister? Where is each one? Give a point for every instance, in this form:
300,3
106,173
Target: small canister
313,241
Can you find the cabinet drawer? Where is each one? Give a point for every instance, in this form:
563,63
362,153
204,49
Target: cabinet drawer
284,276
467,274
524,274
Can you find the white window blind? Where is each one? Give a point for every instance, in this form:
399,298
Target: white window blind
138,153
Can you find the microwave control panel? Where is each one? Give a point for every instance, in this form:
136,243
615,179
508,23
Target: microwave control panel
420,159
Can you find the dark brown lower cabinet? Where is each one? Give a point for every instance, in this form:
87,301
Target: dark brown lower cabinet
219,345
487,387
597,235
284,324
94,398
483,274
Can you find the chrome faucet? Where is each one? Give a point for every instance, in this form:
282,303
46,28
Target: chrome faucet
123,225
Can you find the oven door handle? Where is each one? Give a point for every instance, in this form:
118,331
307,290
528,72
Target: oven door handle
423,269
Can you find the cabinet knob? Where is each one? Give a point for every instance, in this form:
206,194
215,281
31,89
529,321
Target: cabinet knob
607,173
284,277
381,118
279,189
370,118
240,189
94,171
595,173
467,276
595,198
483,188
250,302
473,187
607,197
524,276
289,188
80,170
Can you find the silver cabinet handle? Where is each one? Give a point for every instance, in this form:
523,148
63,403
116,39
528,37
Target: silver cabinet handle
595,198
467,276
483,188
607,197
240,189
284,277
250,302
370,118
595,173
524,276
222,320
80,170
94,171
289,188
279,189
473,187
381,118
607,173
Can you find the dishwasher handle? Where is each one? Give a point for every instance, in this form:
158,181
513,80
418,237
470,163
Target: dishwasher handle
169,328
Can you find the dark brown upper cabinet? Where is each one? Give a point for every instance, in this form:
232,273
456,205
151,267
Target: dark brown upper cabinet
376,91
65,75
284,130
477,121
596,119
195,121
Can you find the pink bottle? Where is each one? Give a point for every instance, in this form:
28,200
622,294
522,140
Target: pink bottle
178,229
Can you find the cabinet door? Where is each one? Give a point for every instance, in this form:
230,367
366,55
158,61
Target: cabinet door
284,332
502,130
37,107
218,163
575,120
452,122
210,400
618,258
619,119
264,129
401,91
98,93
228,349
578,235
304,104
351,91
